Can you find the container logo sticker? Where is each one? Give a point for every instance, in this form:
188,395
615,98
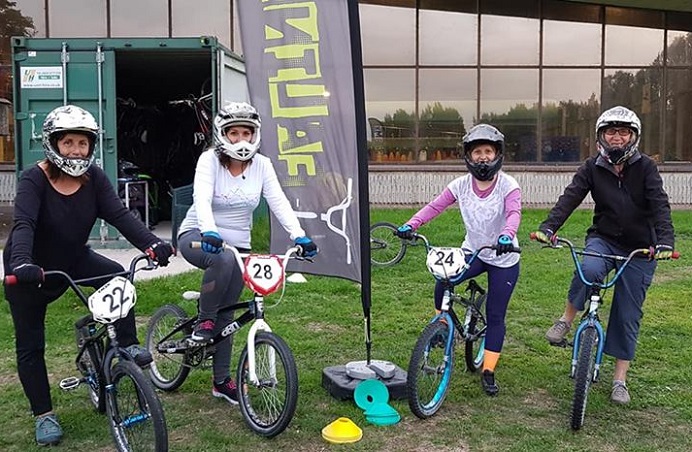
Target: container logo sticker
41,77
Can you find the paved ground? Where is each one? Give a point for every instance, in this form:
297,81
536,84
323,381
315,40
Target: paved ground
121,255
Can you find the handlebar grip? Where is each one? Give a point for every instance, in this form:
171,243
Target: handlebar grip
10,280
196,245
676,255
532,236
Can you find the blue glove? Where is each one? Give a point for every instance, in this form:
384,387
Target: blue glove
504,245
211,242
307,247
405,232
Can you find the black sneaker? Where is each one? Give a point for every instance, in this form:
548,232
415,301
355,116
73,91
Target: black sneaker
226,390
488,383
203,332
141,355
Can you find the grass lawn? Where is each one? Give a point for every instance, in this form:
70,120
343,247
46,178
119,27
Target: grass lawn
322,322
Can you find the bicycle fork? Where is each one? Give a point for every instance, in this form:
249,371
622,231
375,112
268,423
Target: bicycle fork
590,321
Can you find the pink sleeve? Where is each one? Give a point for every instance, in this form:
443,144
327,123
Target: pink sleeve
512,212
432,209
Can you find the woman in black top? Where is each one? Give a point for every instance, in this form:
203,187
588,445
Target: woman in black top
57,204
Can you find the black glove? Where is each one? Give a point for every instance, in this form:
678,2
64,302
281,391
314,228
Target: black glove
161,252
405,232
663,252
307,247
28,274
504,245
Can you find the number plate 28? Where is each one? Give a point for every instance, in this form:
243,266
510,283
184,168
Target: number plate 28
263,273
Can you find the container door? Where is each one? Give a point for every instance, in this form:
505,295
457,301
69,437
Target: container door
232,81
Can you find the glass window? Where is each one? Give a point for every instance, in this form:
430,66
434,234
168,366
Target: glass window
447,108
509,99
571,43
151,19
632,46
448,37
561,10
640,91
678,133
388,34
679,48
36,11
214,19
569,113
77,18
390,108
509,40
237,39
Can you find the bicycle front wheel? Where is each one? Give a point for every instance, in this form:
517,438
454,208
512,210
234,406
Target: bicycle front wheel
474,346
169,369
134,411
385,247
268,405
430,370
583,375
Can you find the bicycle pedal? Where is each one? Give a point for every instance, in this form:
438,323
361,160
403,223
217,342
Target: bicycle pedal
562,344
70,383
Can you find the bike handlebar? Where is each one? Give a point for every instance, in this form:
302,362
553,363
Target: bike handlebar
418,236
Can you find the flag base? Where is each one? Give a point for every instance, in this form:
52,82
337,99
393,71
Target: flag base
341,381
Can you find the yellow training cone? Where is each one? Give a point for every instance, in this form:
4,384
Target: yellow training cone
341,431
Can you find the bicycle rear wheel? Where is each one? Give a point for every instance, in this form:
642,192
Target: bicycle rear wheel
88,365
474,347
168,370
583,376
134,411
269,405
430,370
385,247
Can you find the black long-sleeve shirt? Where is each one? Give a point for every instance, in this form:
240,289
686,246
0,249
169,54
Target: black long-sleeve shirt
51,229
631,209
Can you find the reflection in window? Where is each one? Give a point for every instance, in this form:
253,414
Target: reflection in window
679,48
632,46
189,19
509,99
569,113
509,40
678,133
571,43
35,10
77,18
389,33
640,91
389,105
151,19
447,37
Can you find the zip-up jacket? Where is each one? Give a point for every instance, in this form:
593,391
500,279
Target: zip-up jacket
631,209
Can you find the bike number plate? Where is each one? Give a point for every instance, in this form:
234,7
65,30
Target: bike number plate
445,262
263,273
113,301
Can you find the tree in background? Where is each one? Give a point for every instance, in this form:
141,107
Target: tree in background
12,23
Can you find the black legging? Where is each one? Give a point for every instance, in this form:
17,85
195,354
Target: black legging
28,308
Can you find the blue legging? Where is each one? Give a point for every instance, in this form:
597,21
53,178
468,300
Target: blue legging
501,283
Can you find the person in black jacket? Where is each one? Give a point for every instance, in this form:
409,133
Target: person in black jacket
56,206
631,211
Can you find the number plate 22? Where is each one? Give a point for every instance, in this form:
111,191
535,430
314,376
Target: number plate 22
113,301
263,273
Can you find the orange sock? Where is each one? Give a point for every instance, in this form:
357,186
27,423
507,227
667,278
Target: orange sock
490,360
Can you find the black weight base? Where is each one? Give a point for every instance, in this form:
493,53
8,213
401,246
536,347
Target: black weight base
340,386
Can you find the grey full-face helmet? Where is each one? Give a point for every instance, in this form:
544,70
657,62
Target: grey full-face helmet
237,114
63,120
618,117
484,134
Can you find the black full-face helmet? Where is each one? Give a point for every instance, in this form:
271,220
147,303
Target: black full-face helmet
618,117
484,134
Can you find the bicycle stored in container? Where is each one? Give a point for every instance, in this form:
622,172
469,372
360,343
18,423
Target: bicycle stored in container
589,338
116,384
432,360
386,248
267,376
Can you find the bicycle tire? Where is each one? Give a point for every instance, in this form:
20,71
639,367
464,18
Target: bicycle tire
89,366
268,408
583,376
430,370
386,248
474,350
134,410
167,371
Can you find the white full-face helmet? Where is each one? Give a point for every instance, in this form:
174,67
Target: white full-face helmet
618,117
237,114
69,119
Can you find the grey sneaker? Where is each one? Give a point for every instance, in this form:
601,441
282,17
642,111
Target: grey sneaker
48,431
556,334
620,394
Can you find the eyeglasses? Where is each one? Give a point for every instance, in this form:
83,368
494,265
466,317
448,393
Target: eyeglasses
622,131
